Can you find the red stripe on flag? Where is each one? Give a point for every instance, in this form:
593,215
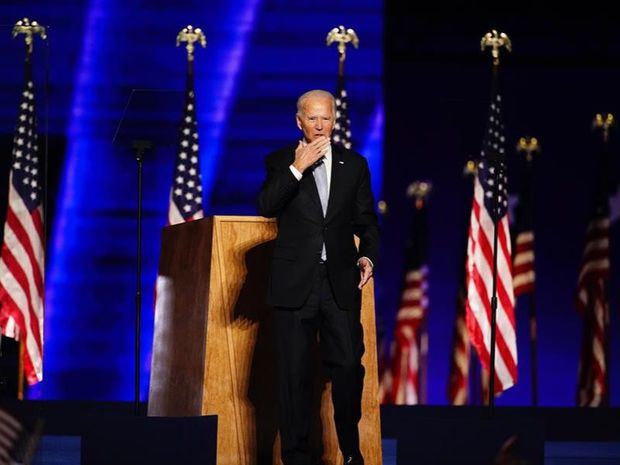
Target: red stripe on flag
22,236
11,309
20,276
37,220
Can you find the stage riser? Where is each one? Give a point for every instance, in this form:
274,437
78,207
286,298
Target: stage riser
441,435
90,433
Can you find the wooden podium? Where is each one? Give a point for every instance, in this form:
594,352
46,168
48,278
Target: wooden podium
213,343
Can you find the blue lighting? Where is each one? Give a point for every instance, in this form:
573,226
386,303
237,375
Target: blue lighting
66,327
216,88
247,80
373,150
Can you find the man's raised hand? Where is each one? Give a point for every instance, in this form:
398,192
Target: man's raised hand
307,154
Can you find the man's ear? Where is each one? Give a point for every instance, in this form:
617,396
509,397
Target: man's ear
298,121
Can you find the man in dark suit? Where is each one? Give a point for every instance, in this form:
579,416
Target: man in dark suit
321,196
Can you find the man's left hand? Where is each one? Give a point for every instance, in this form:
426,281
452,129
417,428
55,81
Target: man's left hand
365,271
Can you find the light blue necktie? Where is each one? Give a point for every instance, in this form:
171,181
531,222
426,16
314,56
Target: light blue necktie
320,177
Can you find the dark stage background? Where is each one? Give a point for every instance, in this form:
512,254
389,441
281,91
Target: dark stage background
564,68
261,55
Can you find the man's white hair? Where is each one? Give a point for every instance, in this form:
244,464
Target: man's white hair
316,93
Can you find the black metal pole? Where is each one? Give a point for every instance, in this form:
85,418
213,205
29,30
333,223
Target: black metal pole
138,282
140,146
534,349
495,160
493,315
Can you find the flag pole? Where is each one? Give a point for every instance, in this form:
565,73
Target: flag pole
383,352
529,145
420,190
604,122
496,41
472,380
342,125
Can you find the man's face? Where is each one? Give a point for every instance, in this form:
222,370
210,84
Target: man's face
316,118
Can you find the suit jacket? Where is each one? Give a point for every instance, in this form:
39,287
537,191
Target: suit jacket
302,227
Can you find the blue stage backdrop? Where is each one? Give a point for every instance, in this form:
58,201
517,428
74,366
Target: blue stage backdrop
260,56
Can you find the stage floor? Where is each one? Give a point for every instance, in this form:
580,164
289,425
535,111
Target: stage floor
77,433
65,450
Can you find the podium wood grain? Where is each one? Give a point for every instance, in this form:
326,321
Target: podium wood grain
213,342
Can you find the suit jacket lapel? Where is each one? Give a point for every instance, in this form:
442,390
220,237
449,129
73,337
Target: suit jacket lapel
309,186
335,184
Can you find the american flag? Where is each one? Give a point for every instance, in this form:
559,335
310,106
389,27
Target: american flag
383,358
23,250
18,440
458,386
186,192
405,370
10,432
458,381
524,276
342,127
479,270
593,304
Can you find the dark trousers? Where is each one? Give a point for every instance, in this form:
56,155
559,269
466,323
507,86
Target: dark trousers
341,346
